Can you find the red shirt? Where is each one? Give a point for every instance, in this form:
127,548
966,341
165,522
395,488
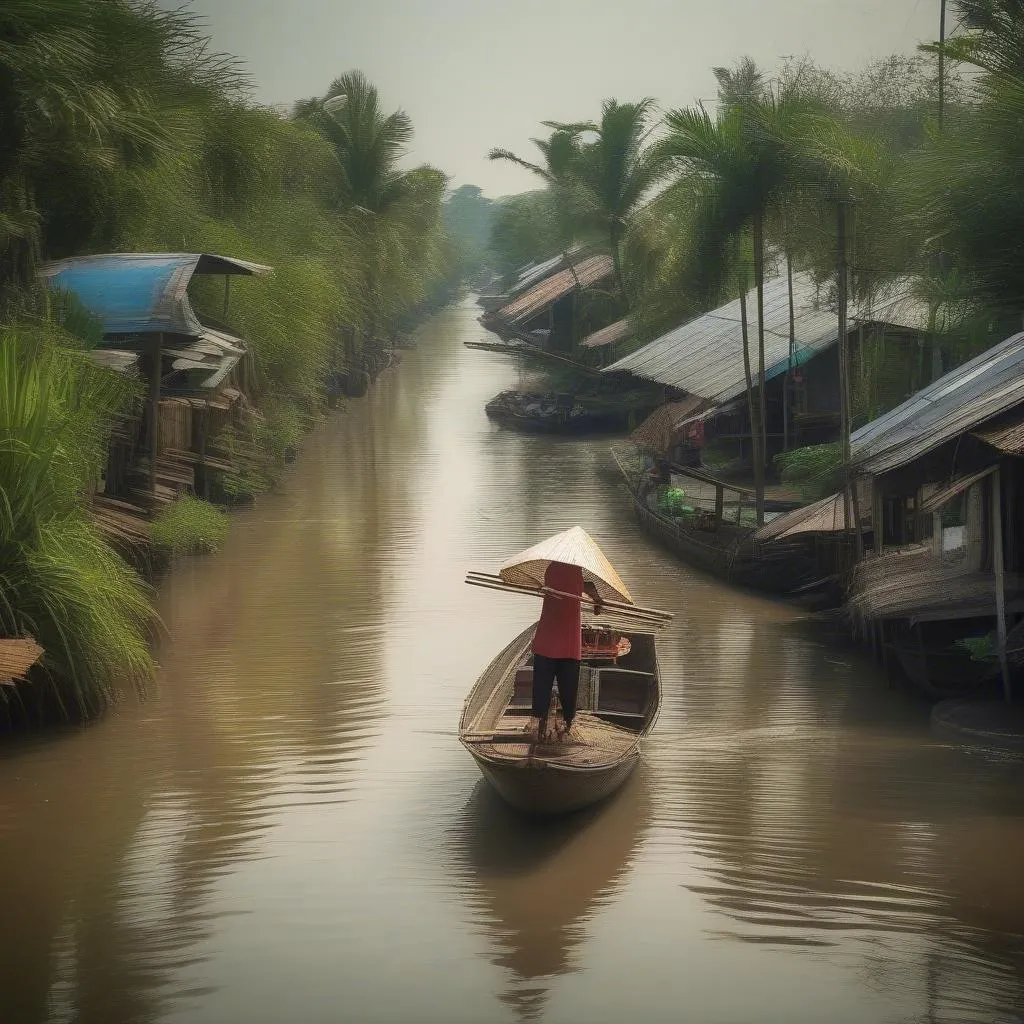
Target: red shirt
558,632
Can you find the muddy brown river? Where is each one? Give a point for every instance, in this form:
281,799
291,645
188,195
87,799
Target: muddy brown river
287,829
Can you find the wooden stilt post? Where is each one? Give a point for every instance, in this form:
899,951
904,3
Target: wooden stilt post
204,428
719,505
877,514
997,565
154,412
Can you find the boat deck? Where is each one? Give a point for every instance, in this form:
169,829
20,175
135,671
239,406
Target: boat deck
596,742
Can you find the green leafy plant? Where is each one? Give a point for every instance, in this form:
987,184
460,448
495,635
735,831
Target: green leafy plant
672,501
189,526
980,648
815,469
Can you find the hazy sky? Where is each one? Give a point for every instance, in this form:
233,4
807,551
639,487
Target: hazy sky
478,74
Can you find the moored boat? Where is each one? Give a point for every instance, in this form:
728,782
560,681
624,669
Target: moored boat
704,539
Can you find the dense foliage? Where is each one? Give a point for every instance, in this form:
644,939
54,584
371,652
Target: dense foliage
121,130
59,581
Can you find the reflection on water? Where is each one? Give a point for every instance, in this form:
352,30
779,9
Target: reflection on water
288,830
536,884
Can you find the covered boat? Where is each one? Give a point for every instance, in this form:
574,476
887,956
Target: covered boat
618,700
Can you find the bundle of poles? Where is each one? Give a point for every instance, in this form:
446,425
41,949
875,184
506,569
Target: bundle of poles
651,617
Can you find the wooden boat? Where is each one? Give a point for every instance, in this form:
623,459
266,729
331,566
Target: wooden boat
726,550
560,414
941,671
618,703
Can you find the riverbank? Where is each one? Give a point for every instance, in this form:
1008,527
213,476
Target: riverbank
137,542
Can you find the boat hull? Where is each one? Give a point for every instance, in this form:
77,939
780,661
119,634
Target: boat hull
543,789
781,569
537,782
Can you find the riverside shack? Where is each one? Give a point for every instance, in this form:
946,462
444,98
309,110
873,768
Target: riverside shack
703,358
194,368
944,569
547,312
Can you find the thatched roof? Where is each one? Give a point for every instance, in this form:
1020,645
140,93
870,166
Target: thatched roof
657,433
584,274
610,335
1005,432
914,583
17,656
827,515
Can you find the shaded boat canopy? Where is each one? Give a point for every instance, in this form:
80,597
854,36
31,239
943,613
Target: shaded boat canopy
658,432
573,547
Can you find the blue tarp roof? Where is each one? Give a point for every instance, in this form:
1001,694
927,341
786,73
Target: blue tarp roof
141,293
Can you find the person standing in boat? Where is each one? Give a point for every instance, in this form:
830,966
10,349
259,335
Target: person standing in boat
557,643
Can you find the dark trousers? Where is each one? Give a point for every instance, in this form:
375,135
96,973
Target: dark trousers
545,672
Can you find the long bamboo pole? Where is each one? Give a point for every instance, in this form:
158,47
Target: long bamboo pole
154,412
497,583
650,616
762,415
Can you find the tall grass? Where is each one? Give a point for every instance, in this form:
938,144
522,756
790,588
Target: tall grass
59,581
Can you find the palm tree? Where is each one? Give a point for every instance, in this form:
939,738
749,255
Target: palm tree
604,179
367,142
733,189
744,166
740,86
373,193
559,152
614,173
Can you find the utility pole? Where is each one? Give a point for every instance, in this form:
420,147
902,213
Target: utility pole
942,61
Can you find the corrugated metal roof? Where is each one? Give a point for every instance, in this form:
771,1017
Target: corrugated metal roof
705,355
586,273
141,293
214,355
964,398
535,272
115,359
618,331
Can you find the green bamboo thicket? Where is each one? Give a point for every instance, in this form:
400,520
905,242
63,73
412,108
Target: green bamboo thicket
122,130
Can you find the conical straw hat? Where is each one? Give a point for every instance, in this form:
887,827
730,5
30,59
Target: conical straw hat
574,547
